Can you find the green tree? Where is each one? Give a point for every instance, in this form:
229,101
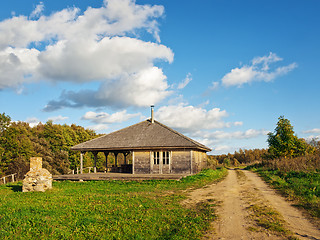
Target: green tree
4,122
284,143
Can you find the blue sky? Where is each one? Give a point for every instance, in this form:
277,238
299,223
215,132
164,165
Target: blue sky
221,72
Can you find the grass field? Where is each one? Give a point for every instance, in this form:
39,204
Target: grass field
304,187
106,210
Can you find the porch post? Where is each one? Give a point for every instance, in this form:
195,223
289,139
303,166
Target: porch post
81,162
95,162
132,162
116,158
125,154
106,153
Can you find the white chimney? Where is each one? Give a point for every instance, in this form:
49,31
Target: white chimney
152,114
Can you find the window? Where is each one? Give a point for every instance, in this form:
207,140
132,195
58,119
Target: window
165,157
156,158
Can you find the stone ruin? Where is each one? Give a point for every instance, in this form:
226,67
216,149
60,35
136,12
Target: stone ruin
37,179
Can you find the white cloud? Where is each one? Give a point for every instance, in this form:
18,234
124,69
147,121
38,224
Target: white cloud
315,134
98,127
33,121
250,133
214,86
108,59
57,118
221,149
16,66
37,11
89,46
258,70
107,118
238,123
144,88
190,118
185,81
315,130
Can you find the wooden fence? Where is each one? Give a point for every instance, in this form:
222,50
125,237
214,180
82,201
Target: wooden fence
11,176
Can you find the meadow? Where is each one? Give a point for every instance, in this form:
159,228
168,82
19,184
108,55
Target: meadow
107,210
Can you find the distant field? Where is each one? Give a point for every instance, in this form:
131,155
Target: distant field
106,210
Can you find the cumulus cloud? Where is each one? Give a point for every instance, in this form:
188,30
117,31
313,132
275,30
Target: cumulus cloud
185,81
37,11
315,134
57,118
98,45
224,142
250,133
98,127
142,89
258,70
33,121
190,118
106,118
315,130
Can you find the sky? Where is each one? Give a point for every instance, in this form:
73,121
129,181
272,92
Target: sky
219,71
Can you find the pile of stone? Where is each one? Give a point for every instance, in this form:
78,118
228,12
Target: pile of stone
37,179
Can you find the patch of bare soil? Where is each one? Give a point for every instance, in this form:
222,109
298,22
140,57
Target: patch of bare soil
235,196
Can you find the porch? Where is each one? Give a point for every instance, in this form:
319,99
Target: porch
118,176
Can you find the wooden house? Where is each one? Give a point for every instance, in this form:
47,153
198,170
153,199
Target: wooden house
154,147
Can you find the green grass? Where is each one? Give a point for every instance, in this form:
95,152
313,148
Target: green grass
304,187
106,210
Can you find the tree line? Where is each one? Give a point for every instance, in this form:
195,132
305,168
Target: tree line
285,151
52,142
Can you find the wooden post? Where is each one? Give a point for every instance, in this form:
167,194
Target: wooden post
116,158
12,177
95,154
191,166
4,180
125,154
106,154
132,162
81,162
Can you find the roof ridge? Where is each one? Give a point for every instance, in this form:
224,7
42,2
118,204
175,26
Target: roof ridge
182,135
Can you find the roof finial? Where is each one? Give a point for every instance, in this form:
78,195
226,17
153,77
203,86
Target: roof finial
152,114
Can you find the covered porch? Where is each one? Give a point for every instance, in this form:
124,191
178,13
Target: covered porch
118,176
114,167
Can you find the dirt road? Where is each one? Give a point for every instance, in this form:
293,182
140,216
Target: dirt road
237,195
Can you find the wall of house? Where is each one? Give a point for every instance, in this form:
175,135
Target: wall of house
180,162
141,162
199,161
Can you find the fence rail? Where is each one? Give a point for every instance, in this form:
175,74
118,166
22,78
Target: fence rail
8,176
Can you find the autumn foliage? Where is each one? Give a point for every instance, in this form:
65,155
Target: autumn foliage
52,142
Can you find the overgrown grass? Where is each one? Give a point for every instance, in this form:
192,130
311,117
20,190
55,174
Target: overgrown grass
304,187
105,210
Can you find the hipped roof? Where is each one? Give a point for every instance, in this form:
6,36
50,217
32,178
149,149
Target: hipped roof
141,136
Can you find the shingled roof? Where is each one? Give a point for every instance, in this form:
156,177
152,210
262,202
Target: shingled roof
141,136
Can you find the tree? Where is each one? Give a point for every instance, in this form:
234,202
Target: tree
4,122
283,142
